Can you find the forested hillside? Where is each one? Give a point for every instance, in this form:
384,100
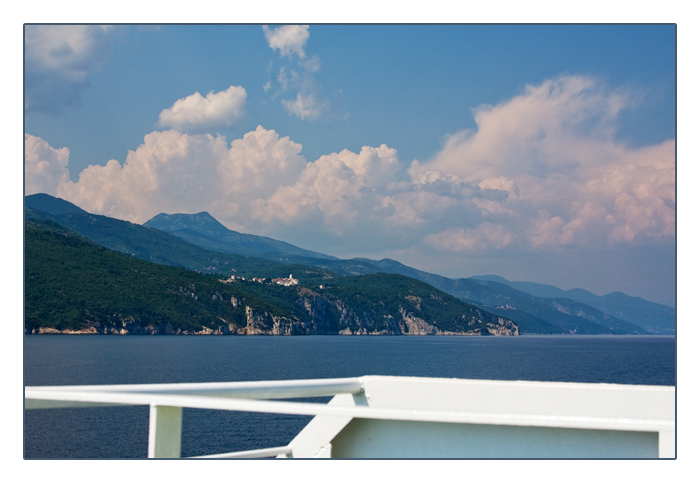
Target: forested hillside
74,285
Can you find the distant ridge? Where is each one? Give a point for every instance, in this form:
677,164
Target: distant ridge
199,242
535,314
136,240
206,231
649,315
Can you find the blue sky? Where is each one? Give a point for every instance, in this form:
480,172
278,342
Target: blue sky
543,153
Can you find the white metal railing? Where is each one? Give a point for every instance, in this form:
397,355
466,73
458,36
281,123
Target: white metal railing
582,413
167,400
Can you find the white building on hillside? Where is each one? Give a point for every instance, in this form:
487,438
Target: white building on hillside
287,282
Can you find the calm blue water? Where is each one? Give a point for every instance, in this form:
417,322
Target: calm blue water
123,432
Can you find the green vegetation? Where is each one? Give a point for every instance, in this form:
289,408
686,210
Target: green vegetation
95,273
71,283
391,294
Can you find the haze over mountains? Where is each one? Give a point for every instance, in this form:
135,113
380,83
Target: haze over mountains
200,242
204,230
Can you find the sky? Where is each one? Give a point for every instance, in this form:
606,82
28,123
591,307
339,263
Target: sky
543,153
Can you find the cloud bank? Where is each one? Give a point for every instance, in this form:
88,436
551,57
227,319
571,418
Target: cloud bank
58,59
557,175
197,114
542,171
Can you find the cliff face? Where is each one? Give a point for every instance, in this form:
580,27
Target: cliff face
329,315
326,316
264,323
406,308
502,327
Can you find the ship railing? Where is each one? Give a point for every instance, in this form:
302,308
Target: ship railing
395,417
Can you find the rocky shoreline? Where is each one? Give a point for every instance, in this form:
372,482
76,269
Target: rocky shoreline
263,323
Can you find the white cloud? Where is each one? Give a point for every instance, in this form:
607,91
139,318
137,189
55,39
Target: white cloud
341,192
197,113
551,152
556,127
297,76
253,170
58,59
176,172
288,39
166,168
541,171
305,106
45,168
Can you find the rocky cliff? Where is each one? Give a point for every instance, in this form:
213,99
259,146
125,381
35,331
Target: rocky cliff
325,317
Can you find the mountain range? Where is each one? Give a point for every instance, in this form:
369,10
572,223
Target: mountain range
73,285
199,242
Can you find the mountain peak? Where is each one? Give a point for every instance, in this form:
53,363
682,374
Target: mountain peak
51,205
204,230
201,222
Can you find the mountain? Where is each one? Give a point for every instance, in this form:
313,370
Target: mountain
654,318
204,230
139,241
535,314
532,313
565,315
52,206
73,285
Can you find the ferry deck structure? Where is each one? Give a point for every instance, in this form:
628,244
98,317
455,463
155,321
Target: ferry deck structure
411,417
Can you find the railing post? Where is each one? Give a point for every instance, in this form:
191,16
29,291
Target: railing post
164,432
667,444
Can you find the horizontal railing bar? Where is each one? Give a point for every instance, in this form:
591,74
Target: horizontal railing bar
242,390
57,404
364,412
253,453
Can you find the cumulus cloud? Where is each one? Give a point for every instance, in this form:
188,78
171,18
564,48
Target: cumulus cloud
341,191
45,168
197,113
173,171
557,127
58,59
551,152
542,171
288,39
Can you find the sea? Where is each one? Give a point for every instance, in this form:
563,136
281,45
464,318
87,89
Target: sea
122,432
